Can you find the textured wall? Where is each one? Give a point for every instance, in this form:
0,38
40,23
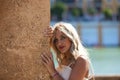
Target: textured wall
21,39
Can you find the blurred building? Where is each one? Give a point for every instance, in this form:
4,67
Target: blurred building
97,4
112,4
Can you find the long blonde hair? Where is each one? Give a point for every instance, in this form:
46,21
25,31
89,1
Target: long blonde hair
77,48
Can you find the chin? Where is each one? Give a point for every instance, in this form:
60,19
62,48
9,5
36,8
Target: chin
63,52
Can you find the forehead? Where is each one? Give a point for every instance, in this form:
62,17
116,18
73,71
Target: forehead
58,33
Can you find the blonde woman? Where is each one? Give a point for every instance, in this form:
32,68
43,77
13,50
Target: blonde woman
72,57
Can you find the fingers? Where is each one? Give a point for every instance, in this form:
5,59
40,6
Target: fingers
46,58
43,60
51,56
49,28
48,32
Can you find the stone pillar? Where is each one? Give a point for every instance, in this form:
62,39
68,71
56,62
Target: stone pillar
79,29
119,34
100,35
21,39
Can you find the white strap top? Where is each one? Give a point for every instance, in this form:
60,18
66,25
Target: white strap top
65,72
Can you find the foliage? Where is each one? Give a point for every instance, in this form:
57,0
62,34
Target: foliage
91,11
58,9
76,11
107,13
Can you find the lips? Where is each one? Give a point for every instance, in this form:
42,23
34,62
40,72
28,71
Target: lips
61,47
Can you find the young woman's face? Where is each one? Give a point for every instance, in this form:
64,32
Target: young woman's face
62,42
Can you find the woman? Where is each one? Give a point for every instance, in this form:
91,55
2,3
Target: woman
73,61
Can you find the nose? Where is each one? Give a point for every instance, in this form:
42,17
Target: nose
59,42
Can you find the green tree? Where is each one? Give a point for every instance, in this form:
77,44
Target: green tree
76,12
58,9
108,13
91,11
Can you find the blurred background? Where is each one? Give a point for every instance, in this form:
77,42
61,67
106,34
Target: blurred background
98,24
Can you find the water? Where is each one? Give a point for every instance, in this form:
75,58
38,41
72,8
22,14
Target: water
105,61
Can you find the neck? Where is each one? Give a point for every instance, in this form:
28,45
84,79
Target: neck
67,55
67,58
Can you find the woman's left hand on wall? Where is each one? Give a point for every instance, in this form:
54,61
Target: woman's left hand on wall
47,60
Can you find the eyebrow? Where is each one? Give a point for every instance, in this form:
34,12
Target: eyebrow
63,35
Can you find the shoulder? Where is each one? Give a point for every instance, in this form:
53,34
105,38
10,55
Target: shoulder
80,69
82,62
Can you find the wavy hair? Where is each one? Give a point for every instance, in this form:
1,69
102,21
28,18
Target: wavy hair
77,49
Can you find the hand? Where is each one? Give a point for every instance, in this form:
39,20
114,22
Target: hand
47,60
48,32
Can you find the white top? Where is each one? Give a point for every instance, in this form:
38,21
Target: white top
65,72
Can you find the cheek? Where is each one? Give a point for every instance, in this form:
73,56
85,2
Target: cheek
69,44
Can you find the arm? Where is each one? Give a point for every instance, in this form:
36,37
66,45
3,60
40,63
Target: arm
47,60
80,69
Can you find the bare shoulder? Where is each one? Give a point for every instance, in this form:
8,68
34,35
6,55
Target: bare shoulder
80,69
81,61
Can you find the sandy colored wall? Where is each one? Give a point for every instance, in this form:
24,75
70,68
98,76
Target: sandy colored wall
21,41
